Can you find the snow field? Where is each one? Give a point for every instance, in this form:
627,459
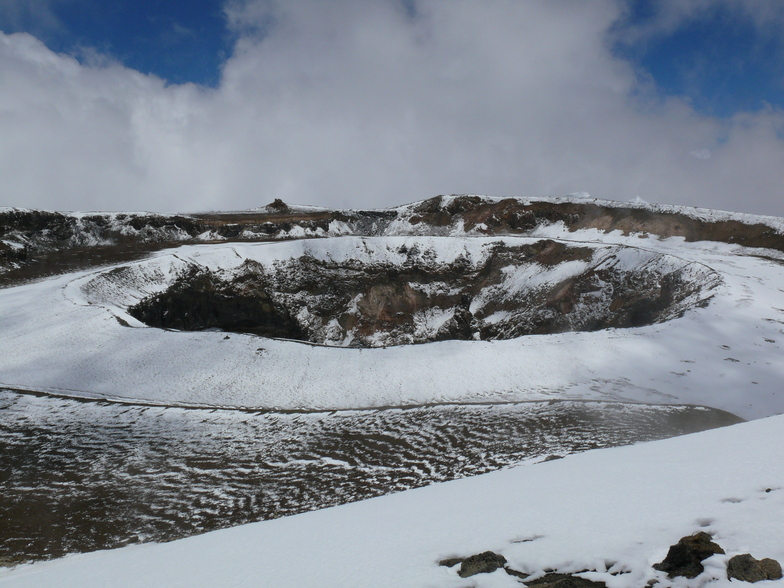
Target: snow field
615,511
60,336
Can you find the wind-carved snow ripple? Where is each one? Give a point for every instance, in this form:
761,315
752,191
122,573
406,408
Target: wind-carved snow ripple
82,476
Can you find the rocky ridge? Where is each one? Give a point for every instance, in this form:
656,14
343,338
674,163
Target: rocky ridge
34,243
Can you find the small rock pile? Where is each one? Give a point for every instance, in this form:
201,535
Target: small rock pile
683,559
488,562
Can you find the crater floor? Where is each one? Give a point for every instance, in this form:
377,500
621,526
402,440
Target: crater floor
374,292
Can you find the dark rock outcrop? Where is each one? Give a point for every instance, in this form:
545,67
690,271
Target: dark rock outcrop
481,563
277,205
744,567
201,301
374,303
488,562
39,237
685,557
555,580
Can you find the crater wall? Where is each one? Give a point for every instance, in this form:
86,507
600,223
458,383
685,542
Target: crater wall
373,292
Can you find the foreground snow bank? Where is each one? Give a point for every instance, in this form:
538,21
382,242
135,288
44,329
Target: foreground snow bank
615,511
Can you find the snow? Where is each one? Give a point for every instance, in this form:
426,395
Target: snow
268,209
8,209
338,228
210,236
402,225
61,336
12,244
610,510
430,320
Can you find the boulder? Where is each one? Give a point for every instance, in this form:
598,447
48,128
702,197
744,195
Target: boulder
685,557
482,563
744,567
278,205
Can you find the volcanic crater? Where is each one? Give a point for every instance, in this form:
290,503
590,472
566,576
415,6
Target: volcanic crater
373,292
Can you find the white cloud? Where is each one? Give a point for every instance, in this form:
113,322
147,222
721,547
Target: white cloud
668,15
356,103
703,154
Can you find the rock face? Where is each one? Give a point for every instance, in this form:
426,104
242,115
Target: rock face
414,290
32,240
482,563
685,557
199,300
747,569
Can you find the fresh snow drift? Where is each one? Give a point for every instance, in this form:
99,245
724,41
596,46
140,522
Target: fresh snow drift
612,511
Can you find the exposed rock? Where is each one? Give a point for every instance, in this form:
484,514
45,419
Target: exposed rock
685,557
552,457
744,567
451,561
277,205
515,573
409,295
482,563
45,235
199,300
555,580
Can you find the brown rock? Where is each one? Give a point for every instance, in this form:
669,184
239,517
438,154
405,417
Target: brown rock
744,567
482,563
685,557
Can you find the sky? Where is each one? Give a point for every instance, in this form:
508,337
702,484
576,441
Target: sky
230,104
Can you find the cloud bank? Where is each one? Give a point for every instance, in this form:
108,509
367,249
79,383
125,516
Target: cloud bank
368,104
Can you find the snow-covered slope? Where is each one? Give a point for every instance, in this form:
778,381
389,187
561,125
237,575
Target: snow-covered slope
716,341
614,512
61,336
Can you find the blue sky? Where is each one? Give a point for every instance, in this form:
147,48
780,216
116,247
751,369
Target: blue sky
722,63
720,59
226,104
178,41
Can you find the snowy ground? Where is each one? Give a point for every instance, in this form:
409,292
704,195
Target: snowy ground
614,511
84,476
57,339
